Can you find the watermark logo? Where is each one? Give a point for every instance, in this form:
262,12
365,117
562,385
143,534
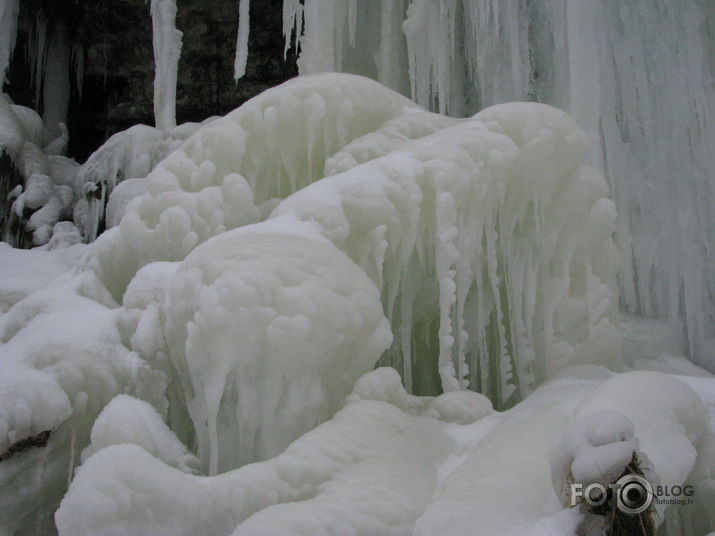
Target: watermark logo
633,494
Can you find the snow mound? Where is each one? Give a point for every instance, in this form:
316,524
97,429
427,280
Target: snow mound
352,474
595,448
375,469
460,407
128,420
24,271
63,359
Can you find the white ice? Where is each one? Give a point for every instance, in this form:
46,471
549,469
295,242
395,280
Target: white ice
482,248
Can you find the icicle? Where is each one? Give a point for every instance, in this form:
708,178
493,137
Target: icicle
242,40
78,64
37,54
292,24
56,89
352,20
391,55
167,49
9,10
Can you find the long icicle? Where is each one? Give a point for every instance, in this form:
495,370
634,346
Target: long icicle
244,26
167,49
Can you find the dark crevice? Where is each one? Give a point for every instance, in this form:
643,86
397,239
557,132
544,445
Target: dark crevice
39,440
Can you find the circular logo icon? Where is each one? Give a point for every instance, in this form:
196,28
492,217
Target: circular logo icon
634,494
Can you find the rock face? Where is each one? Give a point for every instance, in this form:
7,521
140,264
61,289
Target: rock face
112,67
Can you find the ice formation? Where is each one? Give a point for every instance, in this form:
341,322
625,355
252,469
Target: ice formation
627,72
268,148
376,468
167,49
46,192
267,331
56,91
242,39
207,362
459,174
9,10
442,247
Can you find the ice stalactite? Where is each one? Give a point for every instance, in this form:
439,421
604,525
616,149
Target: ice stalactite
9,10
292,24
167,49
638,77
38,52
392,54
432,30
242,39
506,273
56,90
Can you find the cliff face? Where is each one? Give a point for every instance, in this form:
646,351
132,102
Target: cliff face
112,64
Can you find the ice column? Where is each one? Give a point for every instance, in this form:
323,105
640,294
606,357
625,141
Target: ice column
167,49
56,90
242,39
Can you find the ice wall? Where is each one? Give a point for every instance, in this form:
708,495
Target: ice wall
637,76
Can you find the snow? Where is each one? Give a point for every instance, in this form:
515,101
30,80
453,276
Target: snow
374,467
57,383
242,39
22,272
128,420
594,448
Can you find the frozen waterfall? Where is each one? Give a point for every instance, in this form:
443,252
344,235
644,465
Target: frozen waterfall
637,76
